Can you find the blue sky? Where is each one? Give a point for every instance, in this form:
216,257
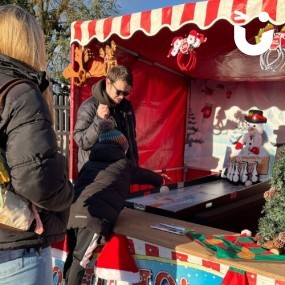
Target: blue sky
132,6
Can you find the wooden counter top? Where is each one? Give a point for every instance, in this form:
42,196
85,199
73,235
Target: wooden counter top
136,224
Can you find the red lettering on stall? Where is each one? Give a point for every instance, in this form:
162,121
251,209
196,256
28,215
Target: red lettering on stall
164,276
145,275
183,281
57,275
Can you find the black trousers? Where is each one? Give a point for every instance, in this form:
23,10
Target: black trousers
81,243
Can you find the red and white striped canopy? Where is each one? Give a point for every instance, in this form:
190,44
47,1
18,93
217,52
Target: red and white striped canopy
148,36
203,14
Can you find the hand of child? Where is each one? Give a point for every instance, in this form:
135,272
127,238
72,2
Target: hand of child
166,178
106,229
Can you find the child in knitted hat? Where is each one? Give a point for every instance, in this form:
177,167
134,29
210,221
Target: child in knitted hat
107,132
100,192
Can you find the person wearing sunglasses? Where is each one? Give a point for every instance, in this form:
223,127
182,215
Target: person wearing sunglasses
108,100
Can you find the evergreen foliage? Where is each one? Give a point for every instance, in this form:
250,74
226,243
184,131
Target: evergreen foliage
273,220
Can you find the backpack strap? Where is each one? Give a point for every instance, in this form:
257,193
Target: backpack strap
7,86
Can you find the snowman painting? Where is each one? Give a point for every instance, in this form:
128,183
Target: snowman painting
248,158
251,142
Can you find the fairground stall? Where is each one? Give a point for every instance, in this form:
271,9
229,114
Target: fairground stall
208,98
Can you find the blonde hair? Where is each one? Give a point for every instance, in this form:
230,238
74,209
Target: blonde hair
22,38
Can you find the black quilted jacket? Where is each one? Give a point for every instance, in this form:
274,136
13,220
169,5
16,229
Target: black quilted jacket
38,171
86,127
103,185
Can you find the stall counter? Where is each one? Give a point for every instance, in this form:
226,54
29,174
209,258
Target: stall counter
137,225
170,259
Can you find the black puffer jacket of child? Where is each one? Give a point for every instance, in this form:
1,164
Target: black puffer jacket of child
104,183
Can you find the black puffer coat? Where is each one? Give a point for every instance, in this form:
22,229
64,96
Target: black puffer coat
86,128
38,171
103,185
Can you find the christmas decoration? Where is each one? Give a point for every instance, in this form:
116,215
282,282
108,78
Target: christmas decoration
250,143
271,226
109,56
270,194
235,247
246,232
184,49
85,58
248,159
207,110
220,86
229,94
115,262
207,90
193,133
274,57
235,276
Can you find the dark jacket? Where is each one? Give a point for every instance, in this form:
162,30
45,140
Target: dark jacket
103,185
38,171
86,127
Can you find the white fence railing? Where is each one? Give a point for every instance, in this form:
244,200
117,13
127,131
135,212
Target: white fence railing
62,122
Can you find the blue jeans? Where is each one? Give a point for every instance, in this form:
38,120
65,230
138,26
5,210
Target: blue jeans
33,267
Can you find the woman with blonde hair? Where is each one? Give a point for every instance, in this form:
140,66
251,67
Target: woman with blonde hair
38,172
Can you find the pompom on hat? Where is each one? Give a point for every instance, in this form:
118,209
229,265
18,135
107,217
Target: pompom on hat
115,262
107,131
255,116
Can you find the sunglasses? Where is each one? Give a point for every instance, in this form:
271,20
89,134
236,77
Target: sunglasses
121,92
